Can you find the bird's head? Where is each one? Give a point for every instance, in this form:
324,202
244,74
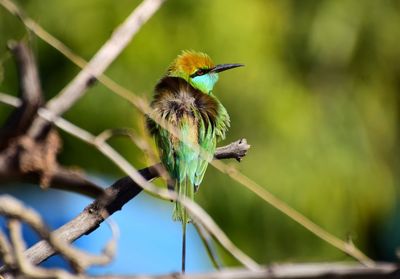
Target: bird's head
198,69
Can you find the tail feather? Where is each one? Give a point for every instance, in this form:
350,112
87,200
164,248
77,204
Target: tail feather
183,247
184,188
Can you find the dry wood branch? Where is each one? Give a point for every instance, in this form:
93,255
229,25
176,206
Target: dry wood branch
30,95
99,63
66,179
289,271
236,150
6,252
286,271
207,241
22,267
16,212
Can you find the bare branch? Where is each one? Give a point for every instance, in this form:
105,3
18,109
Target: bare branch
29,91
289,271
66,179
22,265
71,180
30,88
6,252
284,271
99,63
16,212
236,150
207,241
9,100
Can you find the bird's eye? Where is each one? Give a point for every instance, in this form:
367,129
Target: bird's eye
199,72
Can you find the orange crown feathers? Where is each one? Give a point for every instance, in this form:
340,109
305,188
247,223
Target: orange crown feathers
188,62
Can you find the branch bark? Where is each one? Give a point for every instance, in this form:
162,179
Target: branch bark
289,271
236,150
63,178
30,94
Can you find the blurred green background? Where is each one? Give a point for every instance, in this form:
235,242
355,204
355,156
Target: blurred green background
318,101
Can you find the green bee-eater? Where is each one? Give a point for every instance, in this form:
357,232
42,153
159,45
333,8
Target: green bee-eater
184,98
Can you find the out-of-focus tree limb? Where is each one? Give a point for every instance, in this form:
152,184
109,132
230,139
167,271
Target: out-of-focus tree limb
289,271
24,159
30,95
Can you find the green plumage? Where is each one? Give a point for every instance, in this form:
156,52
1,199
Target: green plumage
184,99
200,119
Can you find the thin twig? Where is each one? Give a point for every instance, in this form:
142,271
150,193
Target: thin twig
11,208
23,267
30,95
6,253
347,247
207,242
288,271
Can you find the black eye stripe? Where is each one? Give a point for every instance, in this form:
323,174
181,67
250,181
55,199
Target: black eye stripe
200,72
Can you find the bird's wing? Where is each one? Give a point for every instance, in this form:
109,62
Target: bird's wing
166,150
207,143
222,122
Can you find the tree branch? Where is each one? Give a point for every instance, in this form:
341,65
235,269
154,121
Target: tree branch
236,150
209,245
288,271
30,94
15,212
65,179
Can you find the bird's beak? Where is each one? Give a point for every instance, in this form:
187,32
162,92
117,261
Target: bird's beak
224,67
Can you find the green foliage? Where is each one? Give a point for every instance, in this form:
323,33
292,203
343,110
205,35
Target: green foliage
318,101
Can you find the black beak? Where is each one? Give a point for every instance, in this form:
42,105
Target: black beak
224,67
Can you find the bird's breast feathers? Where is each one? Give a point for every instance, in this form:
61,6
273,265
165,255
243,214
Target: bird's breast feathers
175,100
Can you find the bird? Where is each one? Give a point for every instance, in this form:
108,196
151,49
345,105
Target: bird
185,99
